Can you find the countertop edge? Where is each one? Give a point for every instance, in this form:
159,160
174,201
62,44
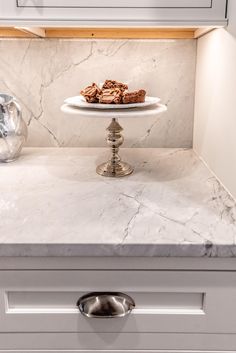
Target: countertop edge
119,250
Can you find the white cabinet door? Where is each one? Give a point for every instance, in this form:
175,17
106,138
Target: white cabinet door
113,12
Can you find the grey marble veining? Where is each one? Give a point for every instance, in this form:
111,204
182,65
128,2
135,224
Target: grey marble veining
52,203
42,73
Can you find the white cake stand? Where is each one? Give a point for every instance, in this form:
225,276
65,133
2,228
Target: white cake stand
115,167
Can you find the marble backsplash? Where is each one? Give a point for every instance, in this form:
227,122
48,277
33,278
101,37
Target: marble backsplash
42,73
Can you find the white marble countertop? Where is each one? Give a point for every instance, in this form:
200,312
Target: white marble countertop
52,203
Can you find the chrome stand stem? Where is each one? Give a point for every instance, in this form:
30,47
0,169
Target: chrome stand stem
114,167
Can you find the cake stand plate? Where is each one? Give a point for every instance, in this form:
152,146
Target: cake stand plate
80,102
114,167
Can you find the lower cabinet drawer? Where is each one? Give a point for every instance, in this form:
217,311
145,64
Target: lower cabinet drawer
166,301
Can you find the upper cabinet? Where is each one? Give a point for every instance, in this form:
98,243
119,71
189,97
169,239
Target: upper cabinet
113,12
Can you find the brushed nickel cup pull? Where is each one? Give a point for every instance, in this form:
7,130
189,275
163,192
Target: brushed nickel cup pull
105,304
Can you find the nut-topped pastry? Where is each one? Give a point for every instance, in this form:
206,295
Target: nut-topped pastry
114,84
134,97
109,96
91,93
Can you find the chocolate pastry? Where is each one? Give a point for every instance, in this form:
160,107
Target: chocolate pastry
114,84
109,96
91,93
134,97
112,92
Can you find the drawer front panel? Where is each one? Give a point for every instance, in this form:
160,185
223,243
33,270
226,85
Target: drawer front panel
166,301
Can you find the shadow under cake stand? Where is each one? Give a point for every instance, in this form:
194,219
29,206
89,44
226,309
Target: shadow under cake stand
115,167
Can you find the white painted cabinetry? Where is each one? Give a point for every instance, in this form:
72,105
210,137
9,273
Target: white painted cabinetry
113,12
166,301
180,306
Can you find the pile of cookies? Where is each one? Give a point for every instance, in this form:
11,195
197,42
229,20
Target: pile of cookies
112,92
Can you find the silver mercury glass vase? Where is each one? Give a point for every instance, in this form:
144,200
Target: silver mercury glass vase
13,130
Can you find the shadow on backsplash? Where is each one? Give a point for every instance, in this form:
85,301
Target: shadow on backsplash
45,72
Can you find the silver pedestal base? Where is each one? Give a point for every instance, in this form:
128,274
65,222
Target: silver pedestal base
119,170
114,167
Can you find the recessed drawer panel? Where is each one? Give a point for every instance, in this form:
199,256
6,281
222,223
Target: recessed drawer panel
166,301
116,3
117,12
155,302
